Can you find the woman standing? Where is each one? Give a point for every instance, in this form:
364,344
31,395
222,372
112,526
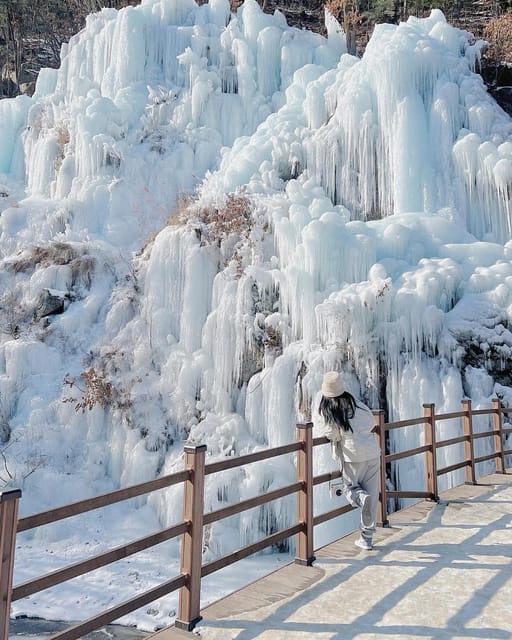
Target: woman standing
348,424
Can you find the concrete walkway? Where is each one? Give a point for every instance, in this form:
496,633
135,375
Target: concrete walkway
439,571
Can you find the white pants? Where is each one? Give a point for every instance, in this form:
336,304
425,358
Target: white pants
362,478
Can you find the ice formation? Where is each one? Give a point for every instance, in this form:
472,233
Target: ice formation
350,213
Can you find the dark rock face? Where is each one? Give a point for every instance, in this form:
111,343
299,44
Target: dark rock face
49,303
498,78
503,97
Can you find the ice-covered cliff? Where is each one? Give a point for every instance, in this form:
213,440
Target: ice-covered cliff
201,212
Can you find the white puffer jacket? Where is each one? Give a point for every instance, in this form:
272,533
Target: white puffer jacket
357,445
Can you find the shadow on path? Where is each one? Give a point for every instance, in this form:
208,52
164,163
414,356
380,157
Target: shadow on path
447,576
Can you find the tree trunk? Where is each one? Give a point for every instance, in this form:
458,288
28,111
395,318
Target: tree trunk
14,42
351,40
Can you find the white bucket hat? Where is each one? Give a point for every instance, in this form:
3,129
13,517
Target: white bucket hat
333,385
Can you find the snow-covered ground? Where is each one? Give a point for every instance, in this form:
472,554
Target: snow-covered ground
200,213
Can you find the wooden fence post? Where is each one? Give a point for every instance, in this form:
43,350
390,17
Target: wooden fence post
429,412
498,435
469,449
192,543
8,524
382,516
305,548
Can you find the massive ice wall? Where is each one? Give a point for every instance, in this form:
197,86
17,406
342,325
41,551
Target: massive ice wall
352,214
152,91
382,183
102,345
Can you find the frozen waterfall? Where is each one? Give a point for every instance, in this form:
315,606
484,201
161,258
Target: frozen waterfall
226,207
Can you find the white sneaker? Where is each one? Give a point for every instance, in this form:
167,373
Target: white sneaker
364,543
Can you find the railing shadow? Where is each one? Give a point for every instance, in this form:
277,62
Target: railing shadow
420,585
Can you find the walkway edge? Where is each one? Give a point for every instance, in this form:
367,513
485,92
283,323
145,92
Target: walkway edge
292,578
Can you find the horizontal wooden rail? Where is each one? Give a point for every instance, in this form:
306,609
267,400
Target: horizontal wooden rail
326,477
390,426
449,416
450,441
250,503
54,578
114,613
333,513
104,500
482,434
258,456
453,467
409,453
489,456
482,412
250,549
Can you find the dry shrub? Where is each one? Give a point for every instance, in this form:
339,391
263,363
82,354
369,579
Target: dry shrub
99,383
63,139
96,390
227,226
213,224
59,253
498,33
63,136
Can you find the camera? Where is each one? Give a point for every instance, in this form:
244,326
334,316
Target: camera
336,488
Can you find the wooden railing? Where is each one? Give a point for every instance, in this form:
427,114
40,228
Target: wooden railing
188,581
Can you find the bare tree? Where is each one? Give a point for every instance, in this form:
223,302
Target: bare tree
498,33
348,14
32,32
11,30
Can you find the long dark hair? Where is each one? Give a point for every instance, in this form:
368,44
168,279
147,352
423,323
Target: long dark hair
339,410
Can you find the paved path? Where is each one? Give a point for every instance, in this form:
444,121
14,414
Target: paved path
439,571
